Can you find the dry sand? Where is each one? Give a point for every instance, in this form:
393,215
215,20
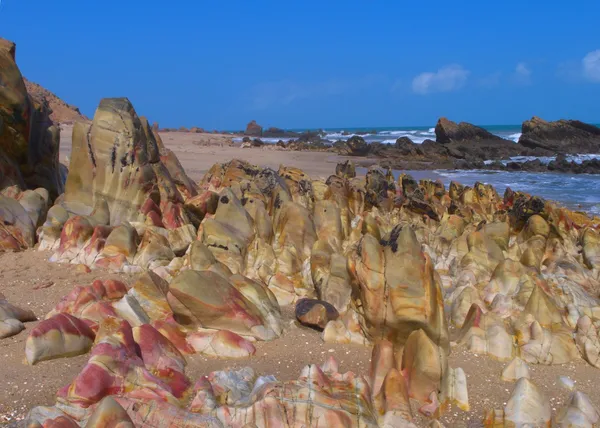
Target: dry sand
23,387
197,152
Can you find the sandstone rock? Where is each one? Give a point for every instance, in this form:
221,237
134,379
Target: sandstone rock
17,231
347,329
109,414
454,389
206,299
315,313
527,405
221,344
398,288
229,233
486,334
29,141
515,370
579,411
423,365
61,336
345,169
12,318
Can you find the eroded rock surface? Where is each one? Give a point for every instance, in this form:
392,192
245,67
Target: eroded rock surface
369,260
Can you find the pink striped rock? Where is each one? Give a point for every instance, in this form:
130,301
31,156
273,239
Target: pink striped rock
63,335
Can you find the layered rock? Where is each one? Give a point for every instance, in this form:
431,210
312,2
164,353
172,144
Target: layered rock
367,260
29,141
29,144
562,136
124,201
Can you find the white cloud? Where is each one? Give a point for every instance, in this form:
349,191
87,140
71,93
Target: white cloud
447,79
522,73
591,66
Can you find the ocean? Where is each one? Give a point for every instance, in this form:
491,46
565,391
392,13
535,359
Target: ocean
417,134
579,192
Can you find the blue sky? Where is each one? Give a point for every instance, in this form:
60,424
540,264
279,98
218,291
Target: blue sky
310,64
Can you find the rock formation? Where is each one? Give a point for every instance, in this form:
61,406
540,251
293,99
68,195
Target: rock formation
125,195
562,136
253,129
447,131
29,144
61,112
368,260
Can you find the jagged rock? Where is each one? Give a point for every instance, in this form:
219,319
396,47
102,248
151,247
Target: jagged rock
345,169
454,389
588,341
229,233
486,334
562,136
516,274
526,407
398,288
121,178
17,230
515,370
423,365
346,329
578,412
29,141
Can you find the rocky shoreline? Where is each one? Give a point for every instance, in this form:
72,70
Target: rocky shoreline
460,146
412,271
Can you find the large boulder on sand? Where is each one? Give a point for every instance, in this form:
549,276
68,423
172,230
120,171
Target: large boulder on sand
562,136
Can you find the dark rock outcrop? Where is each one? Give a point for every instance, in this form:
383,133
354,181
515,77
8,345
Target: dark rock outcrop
407,147
447,131
357,146
562,136
278,133
253,129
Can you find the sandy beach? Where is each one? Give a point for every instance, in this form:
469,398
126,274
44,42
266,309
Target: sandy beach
197,152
